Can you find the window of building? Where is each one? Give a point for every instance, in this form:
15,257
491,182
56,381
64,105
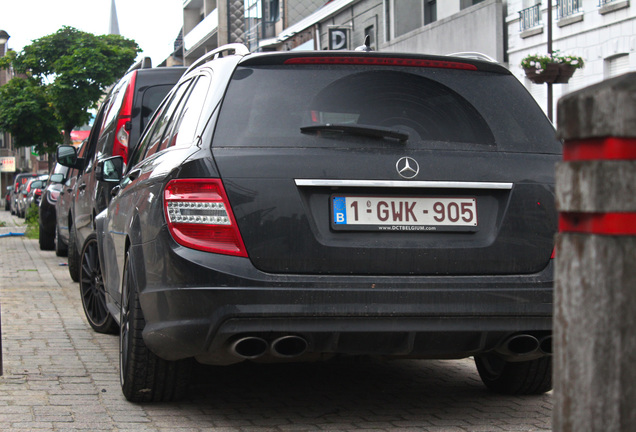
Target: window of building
568,7
403,16
370,31
468,3
616,65
430,11
387,20
530,17
407,16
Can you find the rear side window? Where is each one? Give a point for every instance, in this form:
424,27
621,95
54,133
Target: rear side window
151,99
266,106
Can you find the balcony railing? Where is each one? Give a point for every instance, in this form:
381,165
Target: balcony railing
568,7
604,2
530,17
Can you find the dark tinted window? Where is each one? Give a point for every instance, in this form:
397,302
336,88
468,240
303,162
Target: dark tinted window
151,99
267,105
185,121
151,142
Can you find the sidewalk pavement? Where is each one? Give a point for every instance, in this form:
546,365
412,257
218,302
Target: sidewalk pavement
59,375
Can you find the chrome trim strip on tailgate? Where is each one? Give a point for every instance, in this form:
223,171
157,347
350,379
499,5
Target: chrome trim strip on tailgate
404,184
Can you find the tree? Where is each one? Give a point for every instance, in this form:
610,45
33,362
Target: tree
26,114
74,68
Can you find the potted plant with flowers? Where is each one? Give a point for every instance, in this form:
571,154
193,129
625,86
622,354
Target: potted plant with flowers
554,68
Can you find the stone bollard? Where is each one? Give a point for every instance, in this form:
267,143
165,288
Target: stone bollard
595,281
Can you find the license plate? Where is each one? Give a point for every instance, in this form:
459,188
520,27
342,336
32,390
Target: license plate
403,213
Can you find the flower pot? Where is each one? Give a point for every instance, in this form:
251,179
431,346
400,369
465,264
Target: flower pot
547,75
565,73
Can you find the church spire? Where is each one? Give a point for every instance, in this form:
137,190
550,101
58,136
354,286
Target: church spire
113,25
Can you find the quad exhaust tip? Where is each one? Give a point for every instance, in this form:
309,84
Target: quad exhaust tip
253,347
289,346
526,346
250,347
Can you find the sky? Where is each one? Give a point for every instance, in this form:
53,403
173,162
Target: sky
153,24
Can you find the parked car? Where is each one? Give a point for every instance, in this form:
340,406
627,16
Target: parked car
34,195
18,181
7,199
51,193
116,130
30,193
63,206
302,205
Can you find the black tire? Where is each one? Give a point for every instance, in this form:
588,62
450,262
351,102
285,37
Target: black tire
73,255
92,289
47,239
145,377
61,249
531,377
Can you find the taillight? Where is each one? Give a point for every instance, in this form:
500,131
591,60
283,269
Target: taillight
37,192
553,253
199,216
124,124
381,61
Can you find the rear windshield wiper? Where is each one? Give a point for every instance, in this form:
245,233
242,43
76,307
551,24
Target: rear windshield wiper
362,130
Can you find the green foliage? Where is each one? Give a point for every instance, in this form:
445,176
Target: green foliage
25,112
74,68
541,61
33,222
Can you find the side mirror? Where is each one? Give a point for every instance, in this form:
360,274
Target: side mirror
110,170
67,156
57,178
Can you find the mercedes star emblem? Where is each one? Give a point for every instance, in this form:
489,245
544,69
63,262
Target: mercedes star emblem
407,167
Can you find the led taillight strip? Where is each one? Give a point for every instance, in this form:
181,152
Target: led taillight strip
199,216
380,61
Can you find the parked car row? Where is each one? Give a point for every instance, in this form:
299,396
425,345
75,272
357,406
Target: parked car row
304,205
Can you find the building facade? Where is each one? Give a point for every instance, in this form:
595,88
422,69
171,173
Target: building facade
602,32
208,24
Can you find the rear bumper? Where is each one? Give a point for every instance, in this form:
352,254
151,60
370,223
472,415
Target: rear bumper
198,304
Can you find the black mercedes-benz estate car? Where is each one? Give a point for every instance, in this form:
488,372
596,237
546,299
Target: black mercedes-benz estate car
291,206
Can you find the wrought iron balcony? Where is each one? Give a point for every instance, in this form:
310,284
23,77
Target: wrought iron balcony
568,7
530,17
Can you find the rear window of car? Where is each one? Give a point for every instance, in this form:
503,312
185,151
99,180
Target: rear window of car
266,106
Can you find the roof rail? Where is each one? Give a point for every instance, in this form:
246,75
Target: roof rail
144,63
473,56
230,49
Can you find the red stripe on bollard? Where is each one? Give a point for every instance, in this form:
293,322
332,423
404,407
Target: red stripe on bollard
600,149
598,223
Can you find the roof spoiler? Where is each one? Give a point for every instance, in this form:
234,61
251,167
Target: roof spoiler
144,63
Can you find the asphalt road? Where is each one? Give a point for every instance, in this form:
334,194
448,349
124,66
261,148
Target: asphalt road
59,375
